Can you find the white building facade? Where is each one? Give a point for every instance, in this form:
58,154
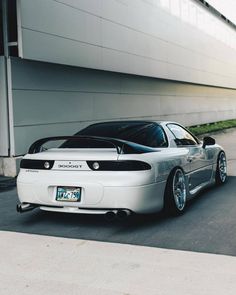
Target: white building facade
65,64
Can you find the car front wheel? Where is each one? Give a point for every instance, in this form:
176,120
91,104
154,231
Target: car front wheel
221,169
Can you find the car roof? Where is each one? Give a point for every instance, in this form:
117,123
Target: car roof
133,122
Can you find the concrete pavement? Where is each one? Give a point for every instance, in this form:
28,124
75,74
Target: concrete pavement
41,265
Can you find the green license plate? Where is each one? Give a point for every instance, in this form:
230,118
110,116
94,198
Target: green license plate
68,194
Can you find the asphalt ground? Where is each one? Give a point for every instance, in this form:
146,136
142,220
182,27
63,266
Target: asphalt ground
207,226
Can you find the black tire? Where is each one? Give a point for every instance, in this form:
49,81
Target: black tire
221,169
171,204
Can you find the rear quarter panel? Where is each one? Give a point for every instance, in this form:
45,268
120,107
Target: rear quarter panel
163,161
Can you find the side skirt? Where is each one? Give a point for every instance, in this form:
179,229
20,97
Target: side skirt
196,190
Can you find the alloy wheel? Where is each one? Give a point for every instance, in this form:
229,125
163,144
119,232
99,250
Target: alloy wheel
179,189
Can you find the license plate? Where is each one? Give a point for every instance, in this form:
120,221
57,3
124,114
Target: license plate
68,194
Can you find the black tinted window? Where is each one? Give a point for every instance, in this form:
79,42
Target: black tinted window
148,134
182,136
152,136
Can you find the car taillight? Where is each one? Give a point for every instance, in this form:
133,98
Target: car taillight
36,164
127,165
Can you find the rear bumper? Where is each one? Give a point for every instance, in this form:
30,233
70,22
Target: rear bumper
96,198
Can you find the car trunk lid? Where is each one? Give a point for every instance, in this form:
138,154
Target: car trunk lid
68,154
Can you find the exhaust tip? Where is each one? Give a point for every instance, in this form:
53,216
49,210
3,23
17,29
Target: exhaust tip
110,215
122,214
21,208
18,208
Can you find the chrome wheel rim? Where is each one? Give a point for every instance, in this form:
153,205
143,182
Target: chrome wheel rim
222,164
179,189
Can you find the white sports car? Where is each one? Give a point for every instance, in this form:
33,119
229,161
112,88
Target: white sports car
116,168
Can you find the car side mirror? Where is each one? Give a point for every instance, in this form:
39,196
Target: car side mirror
208,141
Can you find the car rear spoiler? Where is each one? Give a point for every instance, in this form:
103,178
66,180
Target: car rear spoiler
121,146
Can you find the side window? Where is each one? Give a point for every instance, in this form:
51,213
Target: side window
182,136
153,136
160,137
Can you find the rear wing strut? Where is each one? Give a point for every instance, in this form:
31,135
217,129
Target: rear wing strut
121,146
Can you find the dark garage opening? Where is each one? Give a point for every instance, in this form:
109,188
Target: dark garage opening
1,30
9,9
12,27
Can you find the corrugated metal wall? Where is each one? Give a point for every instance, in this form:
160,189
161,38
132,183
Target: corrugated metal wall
176,39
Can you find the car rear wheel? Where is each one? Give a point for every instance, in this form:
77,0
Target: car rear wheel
221,169
175,193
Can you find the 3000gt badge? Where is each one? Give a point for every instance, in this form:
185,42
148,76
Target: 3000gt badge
70,165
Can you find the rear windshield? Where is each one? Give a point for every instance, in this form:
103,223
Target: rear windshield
148,134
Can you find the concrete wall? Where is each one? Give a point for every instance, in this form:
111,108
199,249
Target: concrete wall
51,99
170,39
4,136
